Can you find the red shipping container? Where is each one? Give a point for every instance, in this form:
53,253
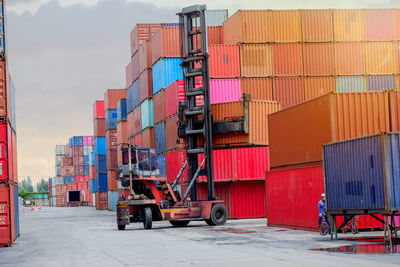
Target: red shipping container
7,224
239,164
68,171
122,132
137,122
141,33
137,140
79,170
111,159
111,139
78,160
248,200
171,133
135,66
221,190
128,75
165,43
67,149
146,84
292,197
99,127
119,155
77,151
98,109
129,125
159,107
145,56
112,96
101,201
92,172
224,61
148,137
287,59
214,35
288,91
111,181
174,162
12,160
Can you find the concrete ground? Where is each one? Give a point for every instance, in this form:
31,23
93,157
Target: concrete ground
83,236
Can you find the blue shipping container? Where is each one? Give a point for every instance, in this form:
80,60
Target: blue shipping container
100,146
111,119
147,113
159,136
87,150
85,160
166,71
112,200
133,96
69,179
101,182
101,163
121,110
76,141
91,159
86,169
363,174
92,186
161,165
16,211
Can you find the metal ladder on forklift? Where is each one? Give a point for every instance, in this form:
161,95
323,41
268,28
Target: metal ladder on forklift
193,32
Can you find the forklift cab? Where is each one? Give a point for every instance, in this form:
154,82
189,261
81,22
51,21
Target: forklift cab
143,162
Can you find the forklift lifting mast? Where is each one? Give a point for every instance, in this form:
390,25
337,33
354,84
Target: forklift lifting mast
154,198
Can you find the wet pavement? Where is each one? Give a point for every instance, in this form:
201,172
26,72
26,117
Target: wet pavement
82,236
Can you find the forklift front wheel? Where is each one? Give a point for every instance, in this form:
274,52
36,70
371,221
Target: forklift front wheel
121,227
147,218
218,216
179,223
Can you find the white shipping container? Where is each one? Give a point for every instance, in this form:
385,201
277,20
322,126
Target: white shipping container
215,17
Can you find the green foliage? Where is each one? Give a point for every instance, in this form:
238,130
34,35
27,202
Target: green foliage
26,184
22,192
43,186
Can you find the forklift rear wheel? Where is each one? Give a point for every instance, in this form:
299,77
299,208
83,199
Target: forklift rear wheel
218,215
121,227
147,218
179,223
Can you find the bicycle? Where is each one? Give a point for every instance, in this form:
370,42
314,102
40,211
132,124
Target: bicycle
352,225
323,227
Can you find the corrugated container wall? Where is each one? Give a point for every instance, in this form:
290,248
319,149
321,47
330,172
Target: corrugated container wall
318,59
165,43
255,60
317,25
141,33
348,24
224,61
317,86
349,58
258,88
286,26
145,56
289,91
165,72
381,58
147,113
215,17
350,83
381,82
111,97
146,84
287,59
379,25
224,90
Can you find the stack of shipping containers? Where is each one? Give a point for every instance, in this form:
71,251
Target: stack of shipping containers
9,212
346,51
99,186
59,155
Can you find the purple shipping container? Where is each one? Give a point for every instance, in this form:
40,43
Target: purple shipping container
87,140
381,82
224,90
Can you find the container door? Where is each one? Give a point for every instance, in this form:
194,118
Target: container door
5,227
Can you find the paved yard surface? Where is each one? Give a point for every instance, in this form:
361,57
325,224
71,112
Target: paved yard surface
83,236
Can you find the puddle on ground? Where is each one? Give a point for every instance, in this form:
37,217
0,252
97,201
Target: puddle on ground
281,230
363,249
235,231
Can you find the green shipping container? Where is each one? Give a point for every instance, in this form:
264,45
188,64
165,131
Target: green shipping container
147,111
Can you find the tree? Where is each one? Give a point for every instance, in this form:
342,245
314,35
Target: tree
42,186
27,184
22,192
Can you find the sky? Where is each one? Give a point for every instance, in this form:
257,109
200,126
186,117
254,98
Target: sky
63,55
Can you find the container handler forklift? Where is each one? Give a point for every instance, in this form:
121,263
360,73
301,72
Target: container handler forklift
152,197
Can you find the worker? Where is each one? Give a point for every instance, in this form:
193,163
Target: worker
322,211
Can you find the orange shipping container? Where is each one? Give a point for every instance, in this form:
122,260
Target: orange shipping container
381,57
135,66
287,59
317,25
145,56
148,137
128,75
129,125
112,96
122,132
214,35
317,86
255,60
348,24
137,122
286,26
379,25
349,58
3,93
297,133
247,26
318,59
112,181
159,106
289,91
258,88
146,84
141,33
258,122
394,104
165,43
224,61
396,24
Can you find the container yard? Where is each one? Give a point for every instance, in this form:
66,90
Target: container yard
255,136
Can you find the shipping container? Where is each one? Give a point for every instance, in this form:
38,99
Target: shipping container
394,102
161,165
101,163
137,120
159,106
348,24
121,110
9,214
317,86
111,97
222,191
122,133
361,175
98,109
318,59
214,35
297,133
147,113
381,57
350,83
87,140
258,88
396,24
101,182
255,60
129,125
75,141
3,89
133,96
77,151
137,140
379,25
317,25
174,161
111,159
101,201
292,197
159,136
381,82
223,61
146,84
99,146
166,71
165,43
224,90
349,58
112,200
135,66
111,139
111,119
99,127
289,91
141,33
248,200
286,26
145,56
128,75
148,137
215,17
60,149
258,122
287,59
112,180
171,133
247,26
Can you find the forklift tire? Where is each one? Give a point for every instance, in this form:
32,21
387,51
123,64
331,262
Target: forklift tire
121,227
147,218
218,216
179,223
